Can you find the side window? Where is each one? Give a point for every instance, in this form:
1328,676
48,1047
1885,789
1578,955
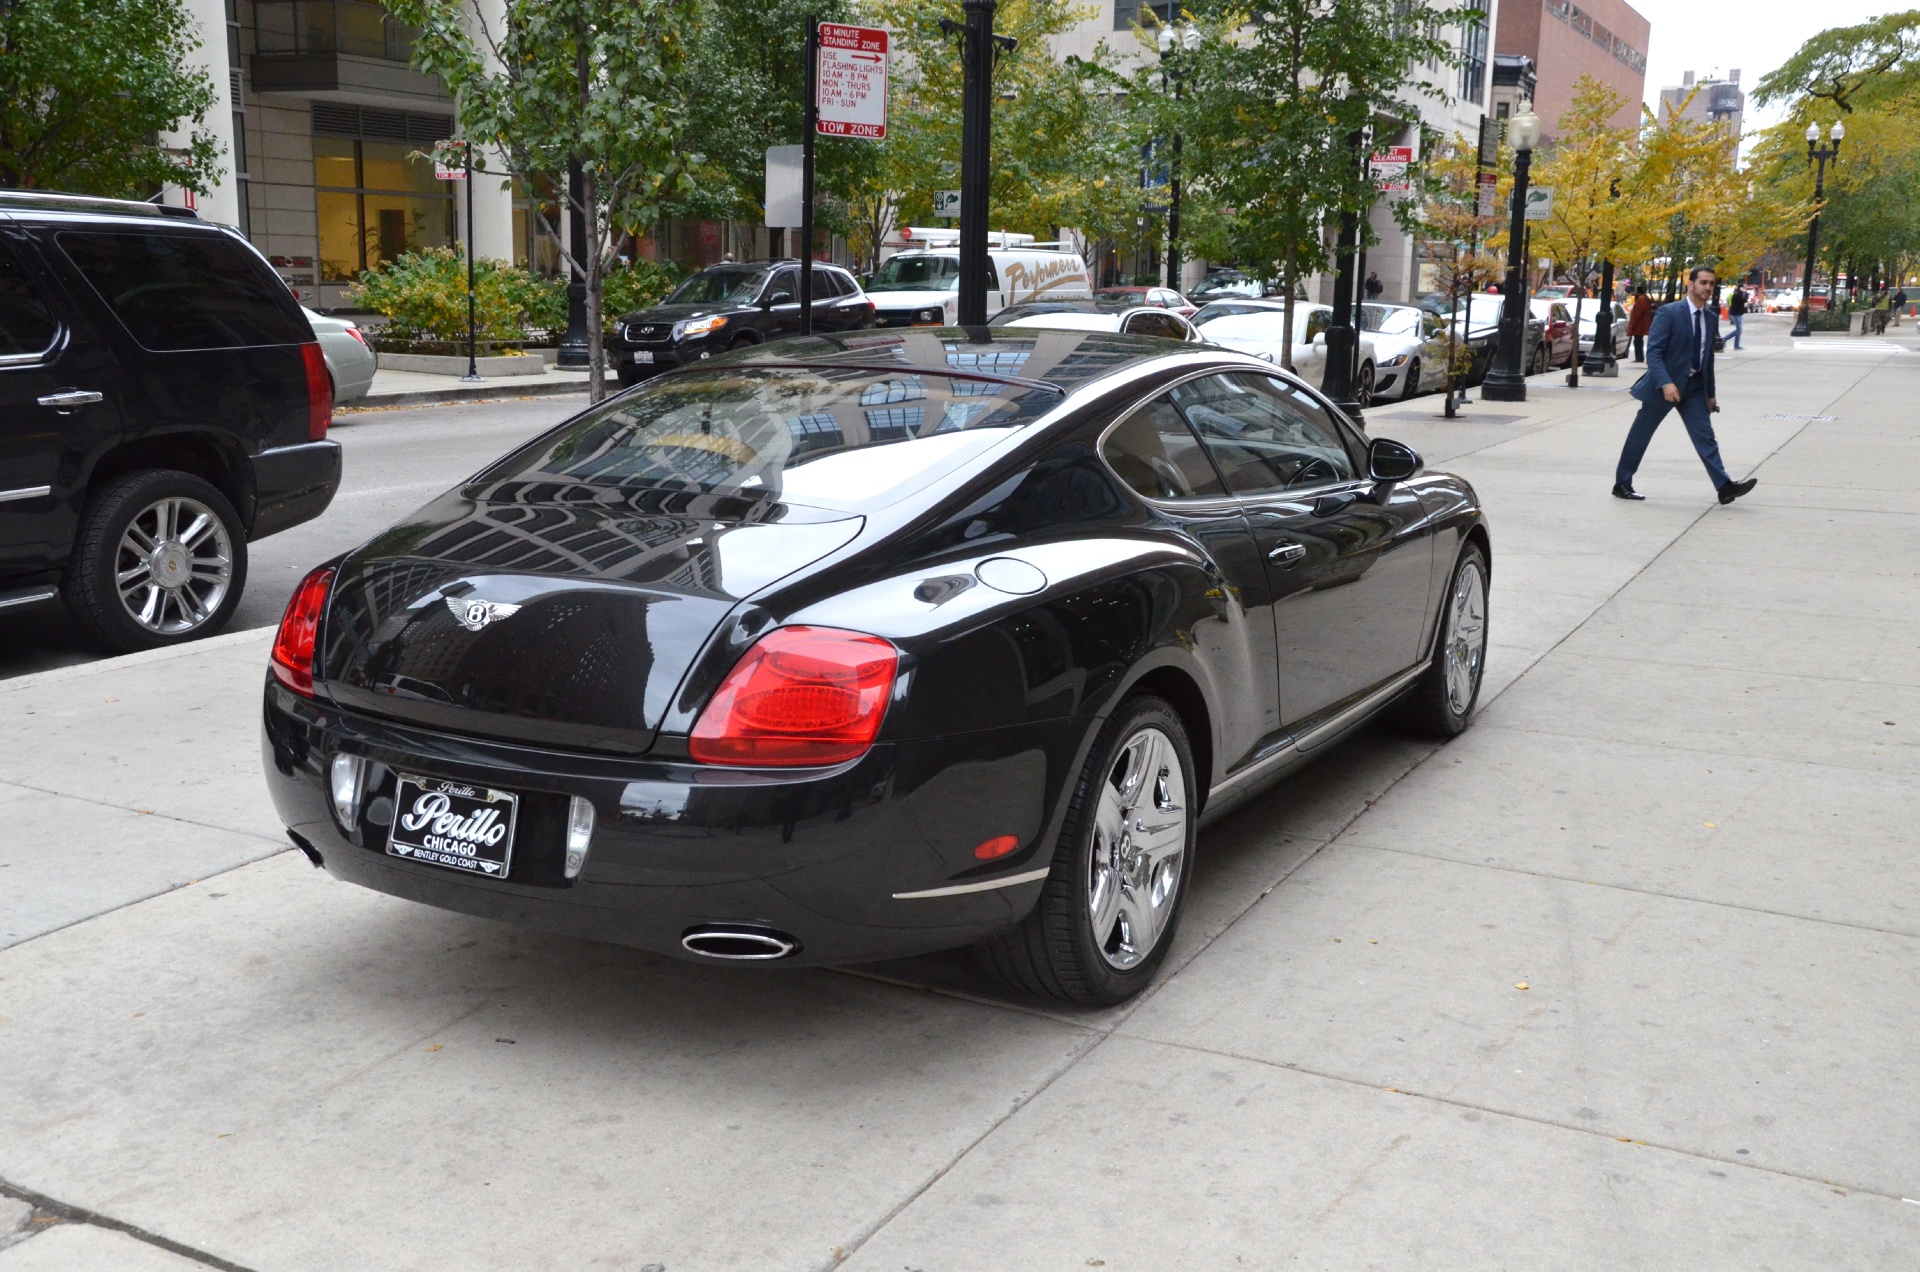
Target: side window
1318,321
185,291
1151,322
993,275
786,280
1156,453
1262,435
27,328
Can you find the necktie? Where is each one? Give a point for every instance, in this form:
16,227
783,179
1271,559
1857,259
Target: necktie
1699,339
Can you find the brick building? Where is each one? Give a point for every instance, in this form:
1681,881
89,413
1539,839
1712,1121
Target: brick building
1606,39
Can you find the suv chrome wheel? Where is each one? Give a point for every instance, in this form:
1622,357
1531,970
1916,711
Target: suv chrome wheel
173,566
1139,838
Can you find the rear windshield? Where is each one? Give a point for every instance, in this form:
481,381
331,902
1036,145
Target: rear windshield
719,287
185,291
826,438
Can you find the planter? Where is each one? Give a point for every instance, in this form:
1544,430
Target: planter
440,364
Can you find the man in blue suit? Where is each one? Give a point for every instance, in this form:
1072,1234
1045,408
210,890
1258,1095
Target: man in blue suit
1680,374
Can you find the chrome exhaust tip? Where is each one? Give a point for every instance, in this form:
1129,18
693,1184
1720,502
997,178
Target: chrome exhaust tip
738,943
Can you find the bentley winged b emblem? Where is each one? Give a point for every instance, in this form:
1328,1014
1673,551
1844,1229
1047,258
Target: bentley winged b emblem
473,615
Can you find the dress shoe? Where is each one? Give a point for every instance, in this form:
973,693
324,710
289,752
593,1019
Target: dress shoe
1734,489
1626,492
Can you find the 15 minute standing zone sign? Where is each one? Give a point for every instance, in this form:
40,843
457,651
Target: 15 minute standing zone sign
853,82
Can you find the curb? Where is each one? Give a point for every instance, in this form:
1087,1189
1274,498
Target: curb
166,653
474,393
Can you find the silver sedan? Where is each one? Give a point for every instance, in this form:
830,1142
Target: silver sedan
350,359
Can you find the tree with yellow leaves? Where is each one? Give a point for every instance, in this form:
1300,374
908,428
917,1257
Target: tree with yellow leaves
1455,239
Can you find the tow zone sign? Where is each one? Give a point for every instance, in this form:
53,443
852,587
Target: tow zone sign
852,93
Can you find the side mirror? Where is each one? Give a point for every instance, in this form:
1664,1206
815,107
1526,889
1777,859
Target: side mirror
1320,340
780,298
1388,460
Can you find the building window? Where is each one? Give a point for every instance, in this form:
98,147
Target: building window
1144,12
1473,57
377,200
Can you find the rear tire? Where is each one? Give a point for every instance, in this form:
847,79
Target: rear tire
161,558
1440,704
1097,935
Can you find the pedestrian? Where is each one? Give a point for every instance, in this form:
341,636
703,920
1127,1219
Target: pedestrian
1737,312
1374,285
1640,321
1680,374
1899,303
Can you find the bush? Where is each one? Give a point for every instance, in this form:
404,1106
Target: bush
424,297
625,288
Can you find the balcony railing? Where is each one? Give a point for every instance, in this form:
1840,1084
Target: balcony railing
302,28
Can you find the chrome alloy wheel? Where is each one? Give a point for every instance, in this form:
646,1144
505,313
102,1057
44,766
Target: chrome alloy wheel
1139,839
173,566
1466,647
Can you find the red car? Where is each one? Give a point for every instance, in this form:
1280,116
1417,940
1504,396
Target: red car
1560,344
1151,297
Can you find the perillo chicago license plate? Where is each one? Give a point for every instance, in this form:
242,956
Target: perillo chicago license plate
452,824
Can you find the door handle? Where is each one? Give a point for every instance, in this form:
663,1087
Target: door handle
1287,555
71,399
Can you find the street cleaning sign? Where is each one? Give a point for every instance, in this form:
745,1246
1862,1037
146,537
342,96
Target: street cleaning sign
852,93
946,203
1388,169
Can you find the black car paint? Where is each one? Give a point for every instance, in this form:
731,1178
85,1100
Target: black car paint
996,706
773,314
237,417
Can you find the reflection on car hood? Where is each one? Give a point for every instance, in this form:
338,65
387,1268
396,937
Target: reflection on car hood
553,613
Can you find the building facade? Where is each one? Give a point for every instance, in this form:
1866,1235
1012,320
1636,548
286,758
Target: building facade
1709,100
1606,39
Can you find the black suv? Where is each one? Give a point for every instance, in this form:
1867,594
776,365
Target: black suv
163,402
727,306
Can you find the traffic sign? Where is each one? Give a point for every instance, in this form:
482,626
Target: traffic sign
1388,168
851,98
1539,203
1487,203
946,203
448,165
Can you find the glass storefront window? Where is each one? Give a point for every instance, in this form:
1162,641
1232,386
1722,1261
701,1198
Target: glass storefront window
375,201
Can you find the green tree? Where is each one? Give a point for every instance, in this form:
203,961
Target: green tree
1856,67
86,86
1276,92
600,83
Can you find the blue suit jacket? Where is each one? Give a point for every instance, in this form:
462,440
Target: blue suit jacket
1670,352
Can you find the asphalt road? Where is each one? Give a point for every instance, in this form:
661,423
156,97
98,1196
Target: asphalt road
395,460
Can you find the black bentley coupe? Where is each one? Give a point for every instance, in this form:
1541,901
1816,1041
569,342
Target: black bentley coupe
856,646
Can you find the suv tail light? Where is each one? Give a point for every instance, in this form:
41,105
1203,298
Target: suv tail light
319,392
292,658
800,696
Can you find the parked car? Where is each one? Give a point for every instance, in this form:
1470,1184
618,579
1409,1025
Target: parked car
1259,327
1409,349
163,403
731,306
921,288
1478,321
1081,316
1227,284
1590,325
1157,297
1784,300
849,648
1559,339
350,359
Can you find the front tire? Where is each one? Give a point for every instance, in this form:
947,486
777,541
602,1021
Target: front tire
1108,910
1440,704
1413,380
1363,387
161,558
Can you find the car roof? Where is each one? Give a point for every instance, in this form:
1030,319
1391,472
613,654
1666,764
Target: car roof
1071,320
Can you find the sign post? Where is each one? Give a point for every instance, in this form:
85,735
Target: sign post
448,172
846,97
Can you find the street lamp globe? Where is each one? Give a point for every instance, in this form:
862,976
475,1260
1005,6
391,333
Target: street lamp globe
1183,35
1523,130
1839,132
1813,134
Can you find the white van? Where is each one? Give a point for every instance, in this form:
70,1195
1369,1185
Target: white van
920,286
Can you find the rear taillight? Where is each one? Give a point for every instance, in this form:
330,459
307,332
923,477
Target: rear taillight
292,659
357,334
319,393
800,696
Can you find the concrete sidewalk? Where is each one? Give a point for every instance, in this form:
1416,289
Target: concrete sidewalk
1623,977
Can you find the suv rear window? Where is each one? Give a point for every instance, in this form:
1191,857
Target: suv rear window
184,291
26,328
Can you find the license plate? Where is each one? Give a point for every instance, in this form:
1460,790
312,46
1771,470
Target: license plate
642,356
454,825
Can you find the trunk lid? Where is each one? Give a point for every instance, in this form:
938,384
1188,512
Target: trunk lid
553,613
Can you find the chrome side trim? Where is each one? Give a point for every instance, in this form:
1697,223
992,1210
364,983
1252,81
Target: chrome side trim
959,889
1302,743
29,598
24,492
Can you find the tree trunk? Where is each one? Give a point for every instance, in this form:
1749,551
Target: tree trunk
595,262
1286,286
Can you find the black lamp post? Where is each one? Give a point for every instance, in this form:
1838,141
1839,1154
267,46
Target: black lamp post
976,156
1507,382
1600,360
1343,341
1817,155
1174,39
576,350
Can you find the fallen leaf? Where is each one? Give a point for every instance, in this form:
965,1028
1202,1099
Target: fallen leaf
436,1046
1709,825
1373,940
1521,985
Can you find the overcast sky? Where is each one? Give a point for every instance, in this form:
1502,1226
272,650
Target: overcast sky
1704,36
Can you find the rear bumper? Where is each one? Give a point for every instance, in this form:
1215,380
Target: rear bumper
816,855
292,484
